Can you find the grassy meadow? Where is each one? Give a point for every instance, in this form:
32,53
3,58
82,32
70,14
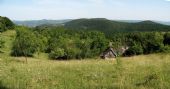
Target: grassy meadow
138,72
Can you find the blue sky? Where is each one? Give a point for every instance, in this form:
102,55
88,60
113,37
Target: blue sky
73,9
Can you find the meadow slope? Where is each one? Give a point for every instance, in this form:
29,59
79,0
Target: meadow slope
139,72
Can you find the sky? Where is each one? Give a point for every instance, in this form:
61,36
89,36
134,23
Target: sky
74,9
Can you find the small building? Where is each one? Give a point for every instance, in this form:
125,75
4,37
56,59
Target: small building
108,54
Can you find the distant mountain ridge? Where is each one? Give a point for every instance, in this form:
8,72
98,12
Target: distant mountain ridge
110,26
136,21
100,24
34,23
164,22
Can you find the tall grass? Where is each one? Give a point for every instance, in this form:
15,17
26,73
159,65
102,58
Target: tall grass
139,72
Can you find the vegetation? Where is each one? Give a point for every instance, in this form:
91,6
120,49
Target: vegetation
138,72
61,43
5,24
1,43
68,44
58,42
25,44
144,43
109,27
167,39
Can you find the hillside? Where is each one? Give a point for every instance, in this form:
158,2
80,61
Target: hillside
108,26
5,24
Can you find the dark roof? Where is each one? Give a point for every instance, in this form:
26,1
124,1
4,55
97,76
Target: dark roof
108,50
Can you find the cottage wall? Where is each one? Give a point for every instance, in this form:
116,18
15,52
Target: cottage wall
108,54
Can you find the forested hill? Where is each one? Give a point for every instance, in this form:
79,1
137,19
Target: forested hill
109,26
5,24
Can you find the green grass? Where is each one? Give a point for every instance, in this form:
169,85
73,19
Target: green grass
7,36
140,72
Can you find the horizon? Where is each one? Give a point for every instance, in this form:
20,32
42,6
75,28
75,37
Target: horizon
92,18
22,10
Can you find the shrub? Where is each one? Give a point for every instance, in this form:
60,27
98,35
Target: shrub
166,39
165,49
57,53
25,43
6,24
134,50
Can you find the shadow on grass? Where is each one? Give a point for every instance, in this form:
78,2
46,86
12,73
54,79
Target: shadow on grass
149,80
2,86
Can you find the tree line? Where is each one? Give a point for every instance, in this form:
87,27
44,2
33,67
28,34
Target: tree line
143,42
61,43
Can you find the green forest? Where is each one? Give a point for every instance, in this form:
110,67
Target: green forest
87,38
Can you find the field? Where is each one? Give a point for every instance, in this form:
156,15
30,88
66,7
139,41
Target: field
139,72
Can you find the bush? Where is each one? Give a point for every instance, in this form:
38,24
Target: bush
74,44
134,50
166,39
154,42
25,43
165,49
6,24
2,27
57,53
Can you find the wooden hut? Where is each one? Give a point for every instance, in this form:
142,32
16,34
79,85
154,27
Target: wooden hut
108,54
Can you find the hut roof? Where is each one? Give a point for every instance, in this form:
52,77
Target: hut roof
109,50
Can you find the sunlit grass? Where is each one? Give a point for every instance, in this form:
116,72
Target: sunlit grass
139,72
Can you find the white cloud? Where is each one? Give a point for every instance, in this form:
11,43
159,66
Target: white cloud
167,0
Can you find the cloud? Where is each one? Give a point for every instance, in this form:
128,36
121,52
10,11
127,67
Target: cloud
167,0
